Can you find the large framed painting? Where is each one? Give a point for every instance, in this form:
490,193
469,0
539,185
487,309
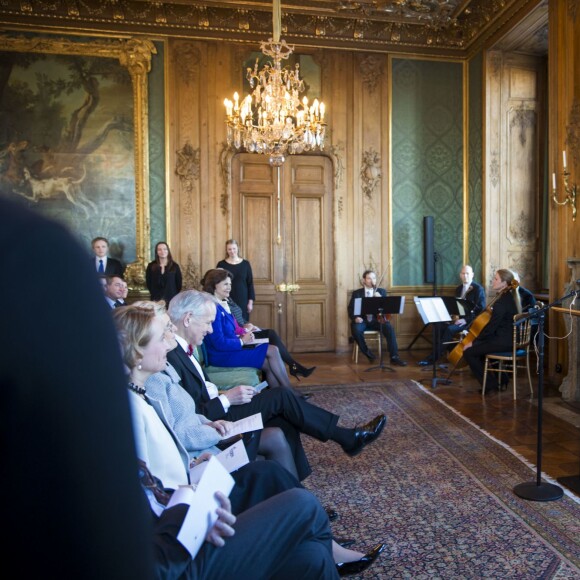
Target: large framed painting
74,137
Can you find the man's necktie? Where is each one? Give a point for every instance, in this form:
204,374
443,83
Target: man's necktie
117,304
189,350
101,267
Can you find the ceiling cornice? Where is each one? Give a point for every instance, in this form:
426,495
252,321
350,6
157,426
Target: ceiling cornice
447,28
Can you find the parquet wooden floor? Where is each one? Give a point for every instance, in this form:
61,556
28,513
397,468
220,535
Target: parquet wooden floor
513,422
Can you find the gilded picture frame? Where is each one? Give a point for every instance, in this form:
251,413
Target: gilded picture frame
36,179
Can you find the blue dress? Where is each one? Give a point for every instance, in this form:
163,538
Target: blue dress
223,345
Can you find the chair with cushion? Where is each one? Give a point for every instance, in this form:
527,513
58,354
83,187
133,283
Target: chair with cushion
228,377
373,336
507,362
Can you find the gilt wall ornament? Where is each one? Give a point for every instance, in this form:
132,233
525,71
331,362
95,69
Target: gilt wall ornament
337,153
522,229
573,129
186,60
225,164
494,168
523,119
370,172
371,71
187,166
191,274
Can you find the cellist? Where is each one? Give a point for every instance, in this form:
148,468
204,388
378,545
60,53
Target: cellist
497,335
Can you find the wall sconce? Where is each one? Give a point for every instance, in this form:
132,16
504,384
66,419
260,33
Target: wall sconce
569,190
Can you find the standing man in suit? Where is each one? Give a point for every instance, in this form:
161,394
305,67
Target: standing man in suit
101,261
369,322
116,291
467,290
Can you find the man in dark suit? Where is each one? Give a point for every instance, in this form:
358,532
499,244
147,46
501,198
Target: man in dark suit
69,477
115,291
192,313
369,322
101,262
467,290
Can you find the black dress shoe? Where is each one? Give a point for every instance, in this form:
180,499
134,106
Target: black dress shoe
369,355
344,542
306,396
358,566
398,361
296,369
366,434
332,514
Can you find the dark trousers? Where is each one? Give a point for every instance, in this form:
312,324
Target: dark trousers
357,329
282,408
298,542
475,358
444,333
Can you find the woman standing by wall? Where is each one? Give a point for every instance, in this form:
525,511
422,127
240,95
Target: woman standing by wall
163,275
243,293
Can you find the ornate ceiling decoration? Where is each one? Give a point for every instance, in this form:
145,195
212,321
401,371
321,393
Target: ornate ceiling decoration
448,27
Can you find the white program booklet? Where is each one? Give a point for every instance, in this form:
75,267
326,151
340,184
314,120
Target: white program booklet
201,515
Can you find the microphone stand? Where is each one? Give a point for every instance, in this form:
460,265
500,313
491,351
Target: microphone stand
538,490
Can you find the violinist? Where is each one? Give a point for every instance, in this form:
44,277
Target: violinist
369,322
497,334
468,290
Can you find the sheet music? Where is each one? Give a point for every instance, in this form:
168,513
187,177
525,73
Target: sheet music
357,306
251,423
432,309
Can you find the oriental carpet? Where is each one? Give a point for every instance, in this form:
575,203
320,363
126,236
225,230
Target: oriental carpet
438,491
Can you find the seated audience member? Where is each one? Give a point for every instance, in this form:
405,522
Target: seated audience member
73,504
103,264
369,322
197,433
468,290
145,339
192,313
497,334
243,327
116,291
163,275
225,348
293,523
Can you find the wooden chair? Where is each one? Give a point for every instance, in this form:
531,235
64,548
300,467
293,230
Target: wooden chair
373,336
507,362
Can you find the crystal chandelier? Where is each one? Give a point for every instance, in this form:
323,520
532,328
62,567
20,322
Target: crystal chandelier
272,120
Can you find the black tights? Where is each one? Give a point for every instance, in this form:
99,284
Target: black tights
274,368
274,446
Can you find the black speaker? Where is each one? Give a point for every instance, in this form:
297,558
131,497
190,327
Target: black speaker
428,250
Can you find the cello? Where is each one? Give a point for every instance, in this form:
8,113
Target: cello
455,357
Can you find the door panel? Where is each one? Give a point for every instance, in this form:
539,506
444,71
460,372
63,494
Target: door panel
283,219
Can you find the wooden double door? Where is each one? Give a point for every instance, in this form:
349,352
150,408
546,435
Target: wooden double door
282,217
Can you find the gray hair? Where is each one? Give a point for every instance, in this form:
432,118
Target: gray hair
189,301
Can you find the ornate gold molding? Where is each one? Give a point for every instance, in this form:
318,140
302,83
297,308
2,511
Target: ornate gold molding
135,55
450,27
225,163
371,70
573,130
370,172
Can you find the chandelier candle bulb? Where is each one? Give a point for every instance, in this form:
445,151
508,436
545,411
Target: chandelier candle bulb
280,122
554,181
564,159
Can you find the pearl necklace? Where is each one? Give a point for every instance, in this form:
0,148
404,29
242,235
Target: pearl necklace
137,389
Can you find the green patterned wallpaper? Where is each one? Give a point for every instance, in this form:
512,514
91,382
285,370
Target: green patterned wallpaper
427,167
157,147
475,235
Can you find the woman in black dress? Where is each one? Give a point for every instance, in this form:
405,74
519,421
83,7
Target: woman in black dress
497,334
163,275
243,282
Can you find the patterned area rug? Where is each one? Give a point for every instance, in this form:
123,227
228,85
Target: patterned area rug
438,491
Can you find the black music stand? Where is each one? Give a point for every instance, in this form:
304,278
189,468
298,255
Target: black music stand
538,490
380,307
432,309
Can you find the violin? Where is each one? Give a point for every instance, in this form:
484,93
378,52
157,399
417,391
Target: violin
381,317
455,357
